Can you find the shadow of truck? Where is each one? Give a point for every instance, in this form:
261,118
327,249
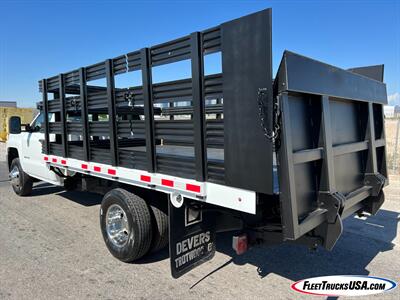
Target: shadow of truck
361,242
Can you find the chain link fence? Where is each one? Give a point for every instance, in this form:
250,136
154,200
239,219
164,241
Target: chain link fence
392,128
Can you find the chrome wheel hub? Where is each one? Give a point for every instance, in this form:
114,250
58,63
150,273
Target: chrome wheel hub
14,177
117,225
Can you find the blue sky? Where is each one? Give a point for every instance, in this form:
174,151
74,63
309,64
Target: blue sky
40,39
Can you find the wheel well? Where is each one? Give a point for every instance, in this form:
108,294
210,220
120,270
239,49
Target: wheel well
11,154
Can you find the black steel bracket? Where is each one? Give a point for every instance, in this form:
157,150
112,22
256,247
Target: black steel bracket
333,203
376,181
375,201
332,229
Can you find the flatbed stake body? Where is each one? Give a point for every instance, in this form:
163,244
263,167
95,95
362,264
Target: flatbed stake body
284,158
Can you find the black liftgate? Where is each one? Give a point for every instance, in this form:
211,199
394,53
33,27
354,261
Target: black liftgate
331,148
215,136
332,154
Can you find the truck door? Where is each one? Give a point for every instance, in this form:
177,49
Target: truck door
32,157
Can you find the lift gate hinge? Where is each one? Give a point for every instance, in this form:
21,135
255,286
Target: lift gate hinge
376,181
375,201
334,205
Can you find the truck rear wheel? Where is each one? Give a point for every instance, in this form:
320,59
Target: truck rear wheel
160,226
125,222
20,181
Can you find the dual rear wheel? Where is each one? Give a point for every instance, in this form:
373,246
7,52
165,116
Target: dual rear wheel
131,226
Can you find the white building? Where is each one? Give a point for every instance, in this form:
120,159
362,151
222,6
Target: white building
8,104
388,110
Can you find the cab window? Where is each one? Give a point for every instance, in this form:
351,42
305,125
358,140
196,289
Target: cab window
37,124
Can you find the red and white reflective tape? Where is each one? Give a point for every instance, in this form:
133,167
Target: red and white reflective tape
212,193
193,188
145,178
167,182
112,172
150,179
170,183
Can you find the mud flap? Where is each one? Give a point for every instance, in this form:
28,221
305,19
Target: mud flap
191,236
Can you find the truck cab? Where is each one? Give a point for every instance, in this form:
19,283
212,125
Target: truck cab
24,153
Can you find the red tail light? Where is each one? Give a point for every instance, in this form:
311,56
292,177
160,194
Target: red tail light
239,244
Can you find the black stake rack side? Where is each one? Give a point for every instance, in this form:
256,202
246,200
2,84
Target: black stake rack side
332,126
146,127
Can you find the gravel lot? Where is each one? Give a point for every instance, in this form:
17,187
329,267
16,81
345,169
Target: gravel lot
51,248
2,151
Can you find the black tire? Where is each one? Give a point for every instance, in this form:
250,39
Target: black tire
23,185
160,225
139,220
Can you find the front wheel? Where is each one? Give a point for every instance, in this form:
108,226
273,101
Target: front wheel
20,181
126,226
